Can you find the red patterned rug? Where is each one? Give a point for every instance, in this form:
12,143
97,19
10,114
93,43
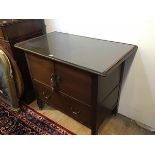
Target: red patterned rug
27,122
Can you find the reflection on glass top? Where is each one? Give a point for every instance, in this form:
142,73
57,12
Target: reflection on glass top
94,55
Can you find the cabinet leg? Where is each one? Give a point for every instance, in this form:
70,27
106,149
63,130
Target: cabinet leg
94,130
115,110
40,104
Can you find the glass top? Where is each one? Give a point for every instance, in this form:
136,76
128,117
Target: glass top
93,55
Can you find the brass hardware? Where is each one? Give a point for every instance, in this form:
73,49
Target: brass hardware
46,96
74,112
55,79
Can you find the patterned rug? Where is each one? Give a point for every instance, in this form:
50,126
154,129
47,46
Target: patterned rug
27,122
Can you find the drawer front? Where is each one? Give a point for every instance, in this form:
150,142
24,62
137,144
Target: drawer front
40,68
42,91
74,82
72,108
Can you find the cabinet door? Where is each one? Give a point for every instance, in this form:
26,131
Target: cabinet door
74,82
71,81
40,69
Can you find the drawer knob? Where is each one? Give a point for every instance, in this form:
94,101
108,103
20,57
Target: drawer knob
74,111
46,95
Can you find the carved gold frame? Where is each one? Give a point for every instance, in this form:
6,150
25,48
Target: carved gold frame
9,80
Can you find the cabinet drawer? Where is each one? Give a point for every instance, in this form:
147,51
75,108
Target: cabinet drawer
74,82
65,104
40,68
72,108
42,91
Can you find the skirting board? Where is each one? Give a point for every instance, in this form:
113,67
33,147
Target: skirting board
145,126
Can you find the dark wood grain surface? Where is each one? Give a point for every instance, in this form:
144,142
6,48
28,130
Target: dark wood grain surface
94,55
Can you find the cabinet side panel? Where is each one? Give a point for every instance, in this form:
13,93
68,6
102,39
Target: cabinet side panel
108,83
108,91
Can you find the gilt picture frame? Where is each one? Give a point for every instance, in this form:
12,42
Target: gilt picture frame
7,84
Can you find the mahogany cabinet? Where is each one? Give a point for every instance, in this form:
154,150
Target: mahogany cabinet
79,76
17,30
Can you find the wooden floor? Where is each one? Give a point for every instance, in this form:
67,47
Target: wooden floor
116,125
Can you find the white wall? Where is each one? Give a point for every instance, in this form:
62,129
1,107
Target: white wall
138,91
